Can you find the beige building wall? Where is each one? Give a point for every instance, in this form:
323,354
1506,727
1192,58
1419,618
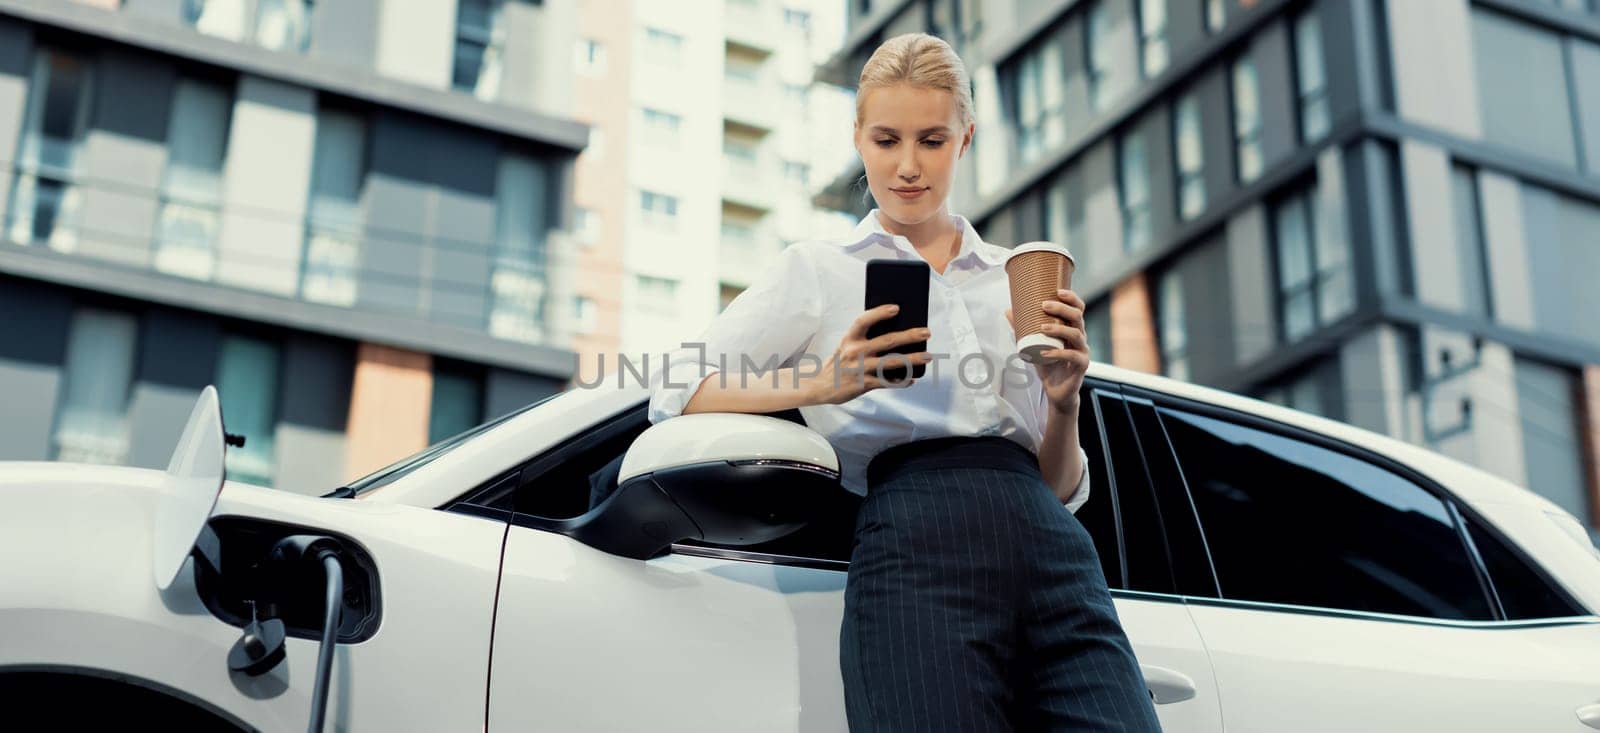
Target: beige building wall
601,100
389,403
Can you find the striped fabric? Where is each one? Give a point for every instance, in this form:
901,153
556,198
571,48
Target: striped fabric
975,602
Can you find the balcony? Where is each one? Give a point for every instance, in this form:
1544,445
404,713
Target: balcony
749,184
749,106
744,252
750,25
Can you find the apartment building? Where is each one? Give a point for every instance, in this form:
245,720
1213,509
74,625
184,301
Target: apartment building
711,129
351,217
1382,211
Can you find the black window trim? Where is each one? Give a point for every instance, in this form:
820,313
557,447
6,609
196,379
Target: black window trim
1194,512
1454,505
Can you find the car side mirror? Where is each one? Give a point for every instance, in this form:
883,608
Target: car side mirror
724,478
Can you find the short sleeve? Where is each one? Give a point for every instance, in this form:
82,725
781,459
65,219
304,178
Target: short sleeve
1081,495
764,326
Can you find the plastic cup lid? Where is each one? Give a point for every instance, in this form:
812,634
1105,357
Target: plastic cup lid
1041,247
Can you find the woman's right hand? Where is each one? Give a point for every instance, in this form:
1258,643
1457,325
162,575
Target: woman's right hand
853,368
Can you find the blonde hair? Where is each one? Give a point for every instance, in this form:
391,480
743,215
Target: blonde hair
920,60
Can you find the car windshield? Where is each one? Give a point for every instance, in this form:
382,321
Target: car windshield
392,472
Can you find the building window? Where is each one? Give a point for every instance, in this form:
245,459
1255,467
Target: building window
1135,182
191,201
658,210
584,317
586,224
797,19
1191,157
1153,53
1174,329
247,386
663,47
797,172
521,280
1216,15
661,128
1314,282
1246,120
456,405
1311,78
92,421
44,198
283,25
657,295
334,222
480,43
1109,78
1522,88
591,57
1040,103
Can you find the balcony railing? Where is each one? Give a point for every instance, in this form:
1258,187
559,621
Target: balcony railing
332,257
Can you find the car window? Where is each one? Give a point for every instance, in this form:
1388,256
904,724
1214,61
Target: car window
1523,591
1291,522
1186,548
1097,515
1145,563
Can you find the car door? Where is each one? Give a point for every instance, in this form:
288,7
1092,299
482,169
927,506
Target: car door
1136,548
724,638
1351,595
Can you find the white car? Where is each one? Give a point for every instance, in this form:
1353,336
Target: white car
1274,571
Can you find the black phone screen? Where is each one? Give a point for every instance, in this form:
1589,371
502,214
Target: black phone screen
904,283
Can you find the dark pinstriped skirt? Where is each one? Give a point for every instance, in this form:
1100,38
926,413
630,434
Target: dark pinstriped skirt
975,602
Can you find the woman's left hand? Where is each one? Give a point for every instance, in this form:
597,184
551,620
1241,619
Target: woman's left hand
1061,370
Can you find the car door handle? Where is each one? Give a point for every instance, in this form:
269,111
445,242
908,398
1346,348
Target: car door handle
1167,685
1590,715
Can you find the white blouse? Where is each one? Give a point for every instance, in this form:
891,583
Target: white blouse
806,300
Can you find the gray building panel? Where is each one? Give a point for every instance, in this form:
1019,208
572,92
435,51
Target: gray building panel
164,10
346,32
506,390
125,157
31,358
1250,286
1209,310
1029,217
1186,26
1280,121
314,406
460,268
1216,133
165,387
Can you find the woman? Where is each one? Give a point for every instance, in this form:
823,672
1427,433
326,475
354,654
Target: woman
974,600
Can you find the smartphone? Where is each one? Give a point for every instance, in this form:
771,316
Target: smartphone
904,283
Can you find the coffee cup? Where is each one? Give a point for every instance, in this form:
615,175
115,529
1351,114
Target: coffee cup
1036,271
